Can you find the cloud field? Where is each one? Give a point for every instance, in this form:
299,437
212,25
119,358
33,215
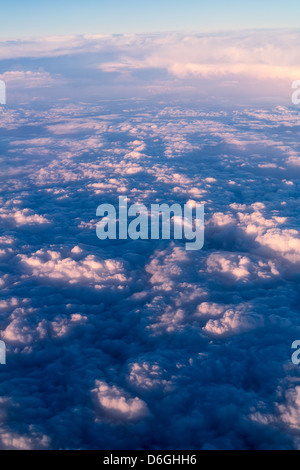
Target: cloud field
141,344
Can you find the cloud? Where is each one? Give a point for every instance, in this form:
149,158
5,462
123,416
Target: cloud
28,79
290,411
235,320
90,270
14,441
116,404
22,217
242,63
149,376
285,243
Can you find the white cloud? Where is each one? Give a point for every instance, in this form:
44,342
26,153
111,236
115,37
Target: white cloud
117,405
285,243
210,309
290,410
149,376
31,441
235,320
90,270
22,217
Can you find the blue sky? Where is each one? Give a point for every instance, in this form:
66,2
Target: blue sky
34,17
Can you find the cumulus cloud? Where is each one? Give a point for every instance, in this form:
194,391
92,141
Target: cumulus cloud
149,376
22,217
117,405
290,411
285,243
235,320
240,268
14,441
90,270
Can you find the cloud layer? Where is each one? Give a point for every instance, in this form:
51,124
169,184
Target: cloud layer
141,344
210,67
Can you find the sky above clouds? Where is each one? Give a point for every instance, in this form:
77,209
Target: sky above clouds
32,18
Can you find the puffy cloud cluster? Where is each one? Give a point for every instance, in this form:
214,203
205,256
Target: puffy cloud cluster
240,268
234,320
90,270
22,217
14,441
116,405
149,376
285,243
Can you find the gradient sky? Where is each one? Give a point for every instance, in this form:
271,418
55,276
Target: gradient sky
33,17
